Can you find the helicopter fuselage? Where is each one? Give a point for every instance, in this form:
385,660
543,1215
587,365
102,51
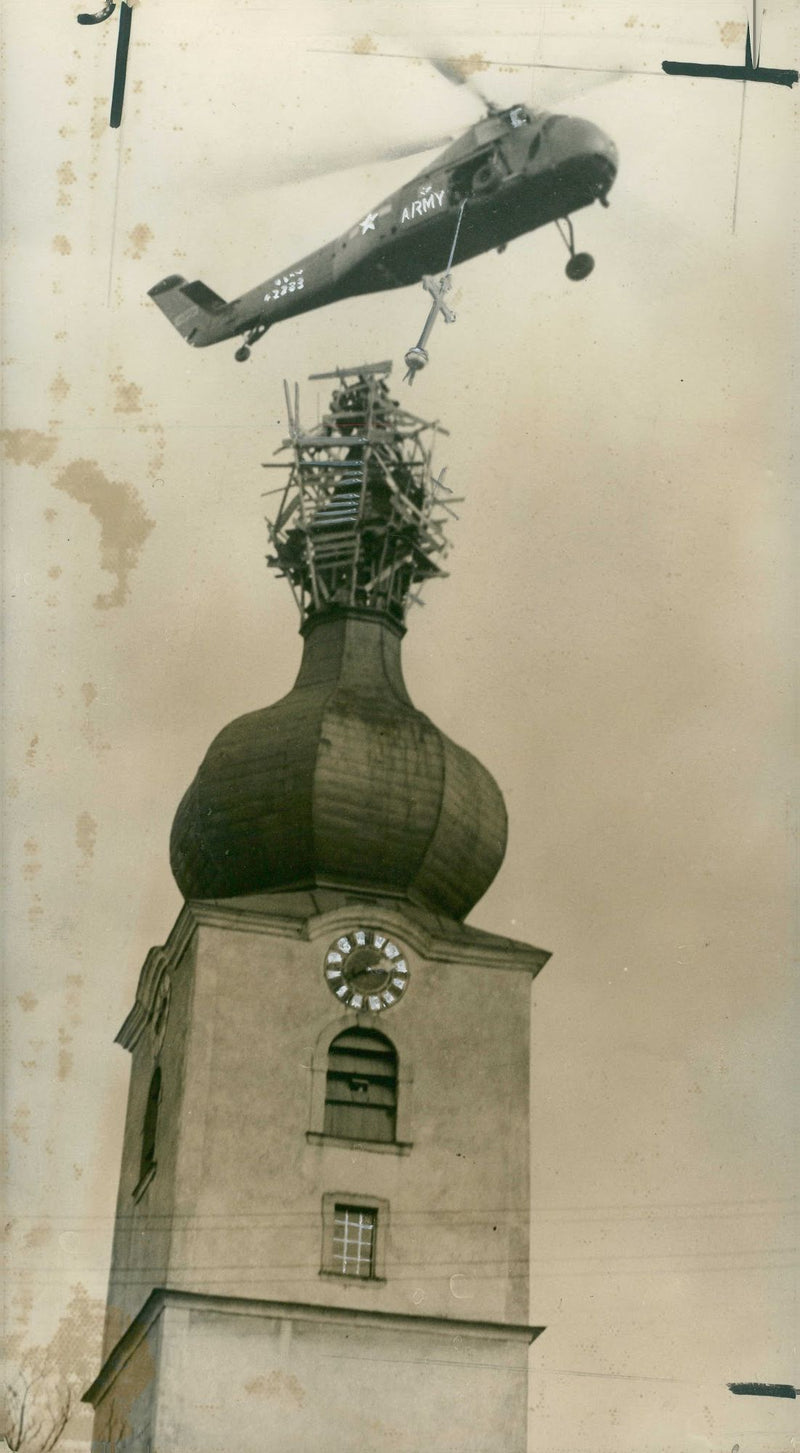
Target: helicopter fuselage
513,173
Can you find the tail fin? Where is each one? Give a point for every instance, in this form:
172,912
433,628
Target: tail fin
199,315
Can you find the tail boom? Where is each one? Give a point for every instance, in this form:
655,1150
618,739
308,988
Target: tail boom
198,313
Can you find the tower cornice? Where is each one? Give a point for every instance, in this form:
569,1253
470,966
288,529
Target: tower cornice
309,916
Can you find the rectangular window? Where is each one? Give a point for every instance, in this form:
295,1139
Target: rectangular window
353,1246
354,1236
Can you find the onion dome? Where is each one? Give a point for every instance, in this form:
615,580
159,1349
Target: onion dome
341,784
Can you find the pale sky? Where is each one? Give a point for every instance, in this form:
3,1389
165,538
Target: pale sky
613,642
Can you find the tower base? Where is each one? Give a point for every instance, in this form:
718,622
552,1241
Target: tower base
198,1372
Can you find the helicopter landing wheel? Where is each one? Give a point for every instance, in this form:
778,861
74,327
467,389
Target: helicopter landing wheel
579,266
242,354
580,263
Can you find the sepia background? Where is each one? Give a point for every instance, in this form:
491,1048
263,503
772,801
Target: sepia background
613,641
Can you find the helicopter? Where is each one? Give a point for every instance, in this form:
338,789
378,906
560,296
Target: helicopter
511,172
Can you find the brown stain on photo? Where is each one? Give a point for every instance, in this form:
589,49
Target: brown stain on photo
283,1387
156,461
65,176
62,244
138,238
30,754
65,1056
128,395
27,1002
732,32
28,446
86,834
20,1124
99,121
37,1236
88,729
59,388
468,65
124,522
65,1062
364,45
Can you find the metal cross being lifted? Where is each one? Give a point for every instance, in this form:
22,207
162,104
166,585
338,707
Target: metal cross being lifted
417,357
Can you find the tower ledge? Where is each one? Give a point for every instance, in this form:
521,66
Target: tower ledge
162,1297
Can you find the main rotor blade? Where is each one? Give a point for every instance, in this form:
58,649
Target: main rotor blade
459,71
554,81
553,84
321,165
414,148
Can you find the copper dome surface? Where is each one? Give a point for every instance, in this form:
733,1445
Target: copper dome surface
342,784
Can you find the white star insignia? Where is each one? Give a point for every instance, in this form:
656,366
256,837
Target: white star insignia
368,225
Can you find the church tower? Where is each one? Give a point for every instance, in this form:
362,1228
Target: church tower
322,1227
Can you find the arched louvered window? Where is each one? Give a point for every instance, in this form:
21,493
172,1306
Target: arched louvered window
361,1086
150,1127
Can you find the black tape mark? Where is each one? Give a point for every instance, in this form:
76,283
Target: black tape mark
747,72
104,14
121,65
731,73
764,1389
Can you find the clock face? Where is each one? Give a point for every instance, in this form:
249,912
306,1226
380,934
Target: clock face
366,970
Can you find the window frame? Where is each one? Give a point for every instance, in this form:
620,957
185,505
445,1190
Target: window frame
377,1073
354,1201
403,1136
148,1163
